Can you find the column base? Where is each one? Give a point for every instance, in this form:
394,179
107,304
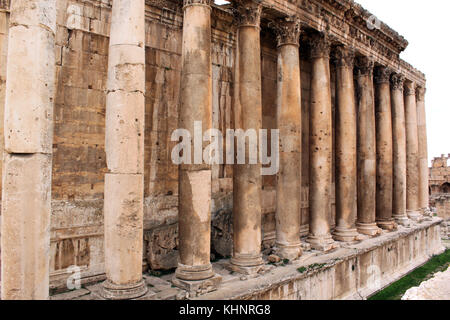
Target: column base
322,243
291,252
389,225
111,291
199,287
246,264
194,273
414,215
402,220
345,235
369,229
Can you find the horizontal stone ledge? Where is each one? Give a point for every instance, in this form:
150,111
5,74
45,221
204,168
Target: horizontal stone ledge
289,283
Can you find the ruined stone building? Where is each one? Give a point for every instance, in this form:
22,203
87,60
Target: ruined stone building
92,92
439,181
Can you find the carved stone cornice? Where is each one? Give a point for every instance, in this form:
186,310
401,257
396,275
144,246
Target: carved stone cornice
382,75
397,82
344,57
410,88
287,30
194,2
319,46
364,66
420,93
247,12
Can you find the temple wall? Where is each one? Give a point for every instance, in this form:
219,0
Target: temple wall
79,165
355,272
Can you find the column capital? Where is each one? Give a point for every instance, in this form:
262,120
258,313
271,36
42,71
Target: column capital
364,66
397,81
287,30
319,46
420,93
382,74
410,88
247,12
197,2
344,57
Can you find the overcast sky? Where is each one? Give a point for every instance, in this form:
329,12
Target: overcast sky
425,24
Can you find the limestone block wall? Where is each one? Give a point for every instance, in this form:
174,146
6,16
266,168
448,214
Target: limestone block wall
79,133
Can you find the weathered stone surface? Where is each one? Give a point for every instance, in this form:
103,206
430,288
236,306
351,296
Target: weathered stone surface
79,162
346,153
222,233
437,288
31,77
162,247
321,146
25,237
412,152
247,181
124,229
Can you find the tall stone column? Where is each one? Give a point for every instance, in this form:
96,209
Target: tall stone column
383,118
399,150
289,179
423,151
27,159
366,222
124,184
320,145
194,218
346,160
247,179
412,153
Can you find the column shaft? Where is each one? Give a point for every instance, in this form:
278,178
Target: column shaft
346,160
423,151
366,149
320,146
27,160
195,179
247,179
124,144
399,150
289,180
412,153
384,149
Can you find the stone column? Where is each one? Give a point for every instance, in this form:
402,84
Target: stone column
346,161
366,222
289,179
384,149
125,104
399,150
412,153
194,218
320,145
247,179
423,151
27,159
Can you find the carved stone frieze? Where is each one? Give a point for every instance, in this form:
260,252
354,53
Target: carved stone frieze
410,88
343,57
287,30
192,2
319,46
397,81
420,93
382,75
247,12
364,66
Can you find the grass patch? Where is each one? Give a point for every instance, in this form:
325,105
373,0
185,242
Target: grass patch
396,290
